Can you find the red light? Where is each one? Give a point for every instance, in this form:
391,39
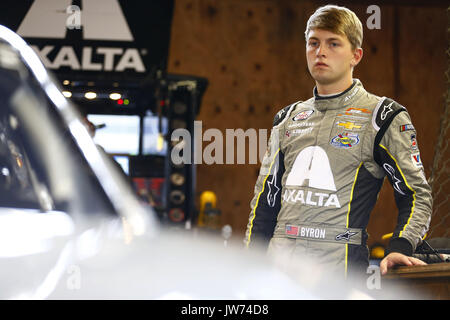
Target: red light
120,101
162,103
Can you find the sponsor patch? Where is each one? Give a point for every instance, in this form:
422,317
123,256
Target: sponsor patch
396,182
415,158
413,142
357,111
406,127
303,115
273,189
301,124
352,117
386,110
298,132
349,125
345,236
345,140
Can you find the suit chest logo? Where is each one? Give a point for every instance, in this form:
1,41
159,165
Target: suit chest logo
345,140
303,115
311,169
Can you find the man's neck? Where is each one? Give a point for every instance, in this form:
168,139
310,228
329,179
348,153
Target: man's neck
333,88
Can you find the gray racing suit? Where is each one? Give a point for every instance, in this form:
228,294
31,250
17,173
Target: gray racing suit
320,177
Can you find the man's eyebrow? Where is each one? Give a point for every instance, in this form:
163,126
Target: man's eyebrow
333,39
327,39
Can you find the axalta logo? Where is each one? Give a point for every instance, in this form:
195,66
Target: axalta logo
99,20
67,57
311,169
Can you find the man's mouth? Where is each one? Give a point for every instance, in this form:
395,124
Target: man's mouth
320,64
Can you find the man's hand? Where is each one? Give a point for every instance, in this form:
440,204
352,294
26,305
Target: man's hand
396,258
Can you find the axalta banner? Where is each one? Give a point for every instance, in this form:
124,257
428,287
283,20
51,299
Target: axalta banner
114,38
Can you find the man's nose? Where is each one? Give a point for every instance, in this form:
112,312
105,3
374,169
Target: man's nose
321,51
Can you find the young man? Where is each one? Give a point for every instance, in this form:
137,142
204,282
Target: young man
328,156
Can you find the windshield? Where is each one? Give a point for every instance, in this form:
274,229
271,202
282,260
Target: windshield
41,167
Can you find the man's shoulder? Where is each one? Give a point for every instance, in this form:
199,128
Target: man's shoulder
286,111
382,109
385,110
378,101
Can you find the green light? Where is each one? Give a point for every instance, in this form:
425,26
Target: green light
126,102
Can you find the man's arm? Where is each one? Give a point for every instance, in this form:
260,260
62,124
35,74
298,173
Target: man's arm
266,202
396,151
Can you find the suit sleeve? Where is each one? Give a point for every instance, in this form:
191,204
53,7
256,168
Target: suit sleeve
266,202
396,151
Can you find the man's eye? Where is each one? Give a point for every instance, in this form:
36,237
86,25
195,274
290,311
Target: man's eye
334,44
313,43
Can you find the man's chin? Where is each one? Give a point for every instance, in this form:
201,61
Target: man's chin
323,80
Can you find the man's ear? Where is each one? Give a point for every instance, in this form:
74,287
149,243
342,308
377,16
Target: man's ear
357,56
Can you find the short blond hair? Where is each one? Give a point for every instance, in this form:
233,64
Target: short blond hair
339,20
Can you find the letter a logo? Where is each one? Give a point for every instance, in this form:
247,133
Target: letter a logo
101,20
312,164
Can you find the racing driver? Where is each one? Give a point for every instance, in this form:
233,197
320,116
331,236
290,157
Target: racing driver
328,156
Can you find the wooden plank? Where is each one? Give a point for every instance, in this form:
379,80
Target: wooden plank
436,270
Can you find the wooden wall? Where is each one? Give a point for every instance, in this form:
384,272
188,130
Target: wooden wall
253,54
